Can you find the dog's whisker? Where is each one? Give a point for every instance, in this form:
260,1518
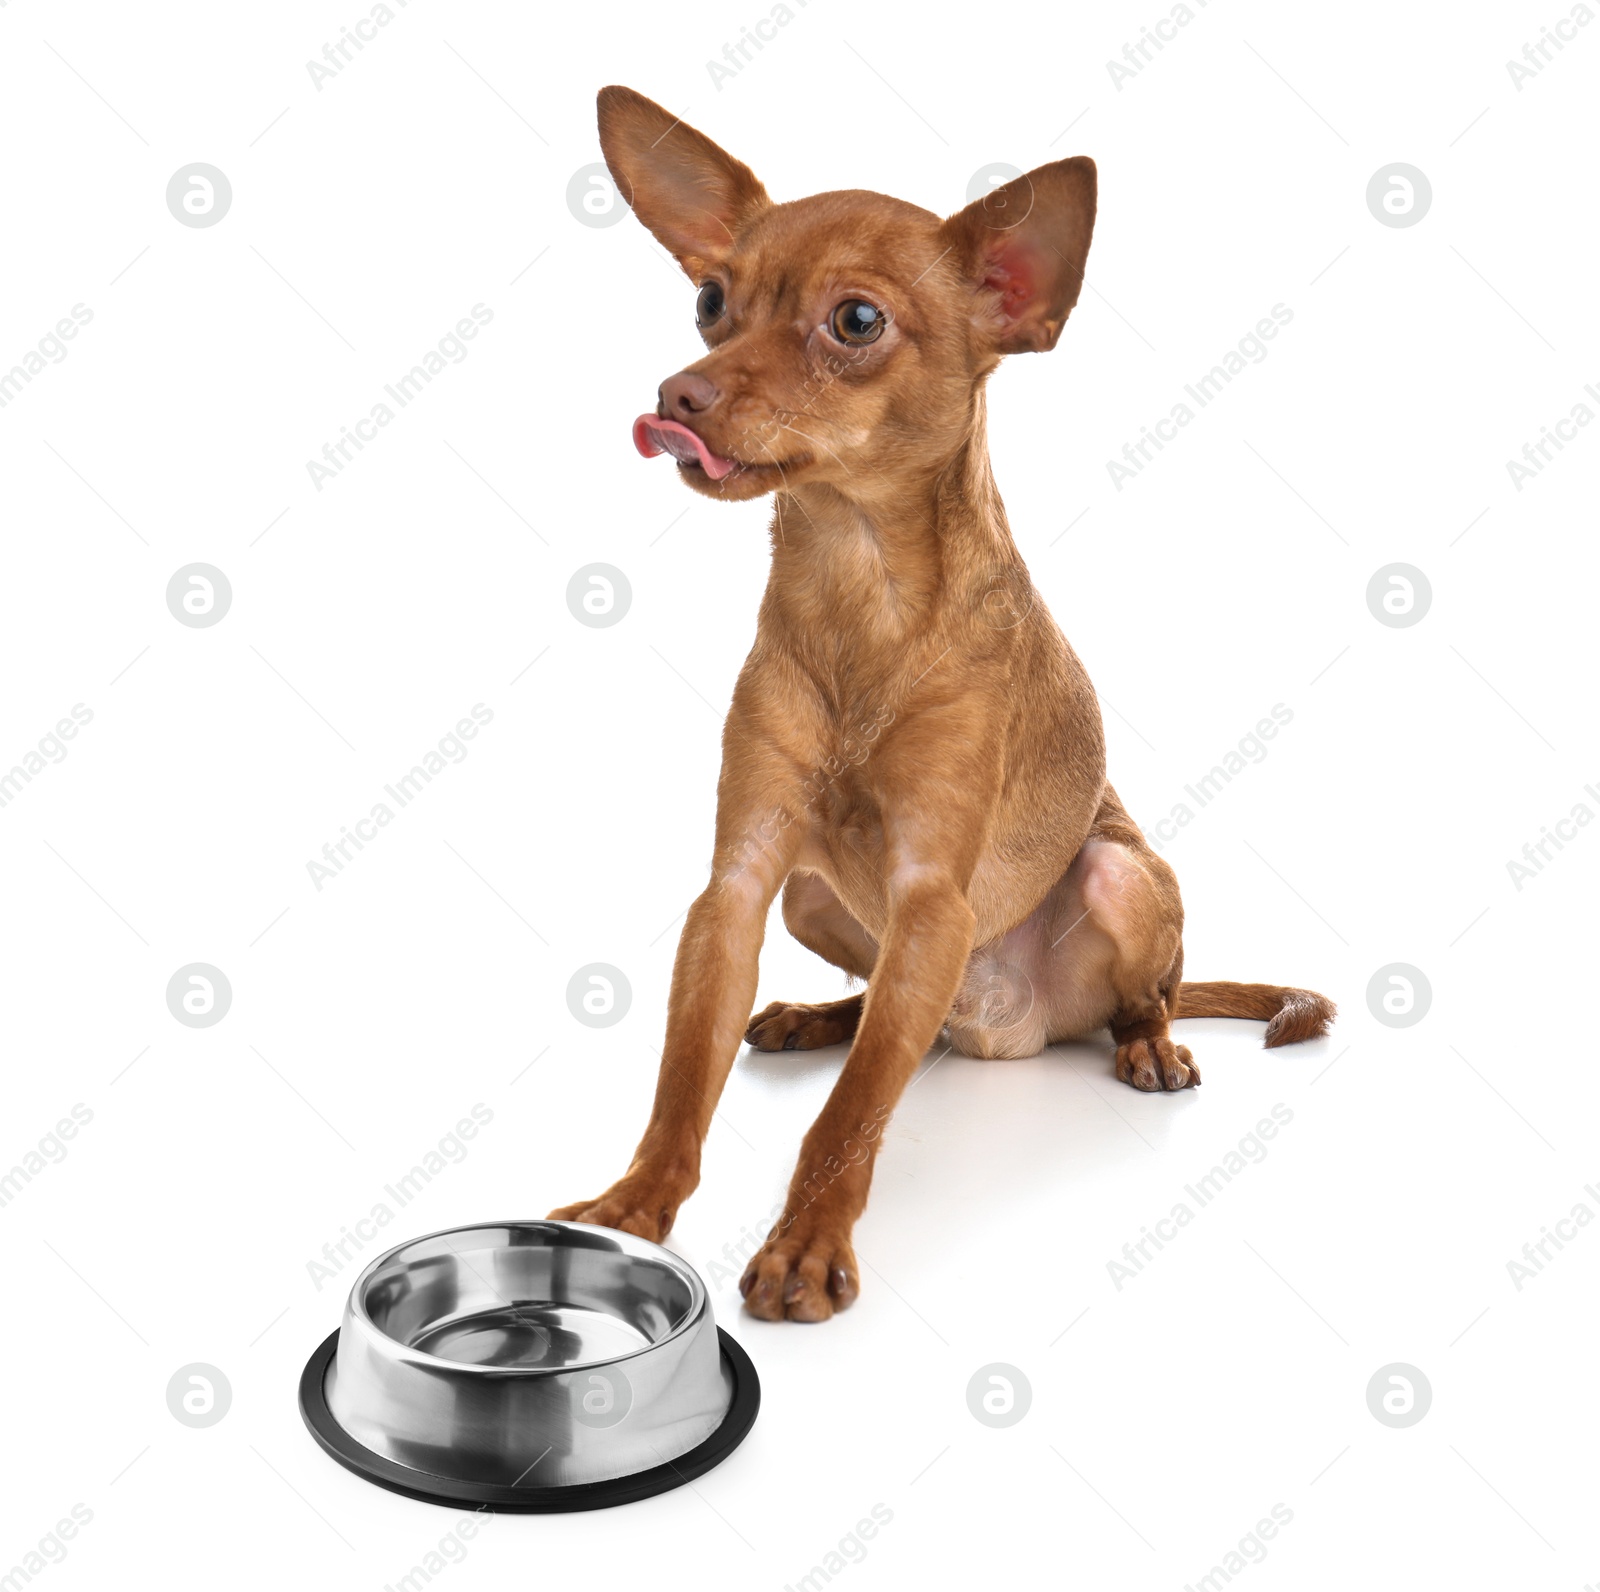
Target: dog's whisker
818,444
778,497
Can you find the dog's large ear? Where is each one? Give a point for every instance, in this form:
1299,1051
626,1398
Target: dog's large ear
1023,248
691,194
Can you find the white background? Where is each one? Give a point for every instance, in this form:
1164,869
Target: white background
368,217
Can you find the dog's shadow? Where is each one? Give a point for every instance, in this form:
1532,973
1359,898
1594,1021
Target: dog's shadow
1065,1098
779,1067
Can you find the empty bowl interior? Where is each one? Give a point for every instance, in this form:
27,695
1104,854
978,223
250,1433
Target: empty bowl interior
525,1296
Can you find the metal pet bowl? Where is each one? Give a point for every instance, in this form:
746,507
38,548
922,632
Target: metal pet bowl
529,1366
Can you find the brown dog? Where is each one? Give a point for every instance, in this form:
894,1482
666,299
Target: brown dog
913,754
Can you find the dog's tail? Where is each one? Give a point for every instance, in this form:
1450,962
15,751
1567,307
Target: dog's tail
1290,1014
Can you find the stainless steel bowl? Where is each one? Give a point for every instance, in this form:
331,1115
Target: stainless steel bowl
529,1365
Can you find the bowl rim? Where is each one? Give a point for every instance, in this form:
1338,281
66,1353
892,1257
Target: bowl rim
657,1254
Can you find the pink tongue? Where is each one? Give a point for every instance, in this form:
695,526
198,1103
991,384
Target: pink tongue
652,436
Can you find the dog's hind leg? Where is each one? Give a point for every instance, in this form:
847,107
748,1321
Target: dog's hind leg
1133,894
1130,894
1117,956
786,1025
815,916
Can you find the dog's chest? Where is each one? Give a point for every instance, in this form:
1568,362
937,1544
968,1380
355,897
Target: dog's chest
840,811
838,796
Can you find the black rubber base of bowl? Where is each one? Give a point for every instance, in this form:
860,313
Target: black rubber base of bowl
501,1499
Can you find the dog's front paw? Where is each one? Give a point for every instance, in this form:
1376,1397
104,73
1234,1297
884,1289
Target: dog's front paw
1156,1064
787,1025
804,1272
635,1205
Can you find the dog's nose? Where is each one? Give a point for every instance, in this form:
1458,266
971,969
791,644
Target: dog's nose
685,394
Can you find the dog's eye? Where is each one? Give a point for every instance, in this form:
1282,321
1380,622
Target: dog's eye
709,306
856,321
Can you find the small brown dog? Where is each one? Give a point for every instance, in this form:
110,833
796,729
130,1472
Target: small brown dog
913,754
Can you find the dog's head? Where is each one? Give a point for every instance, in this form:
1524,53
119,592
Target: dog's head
846,333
